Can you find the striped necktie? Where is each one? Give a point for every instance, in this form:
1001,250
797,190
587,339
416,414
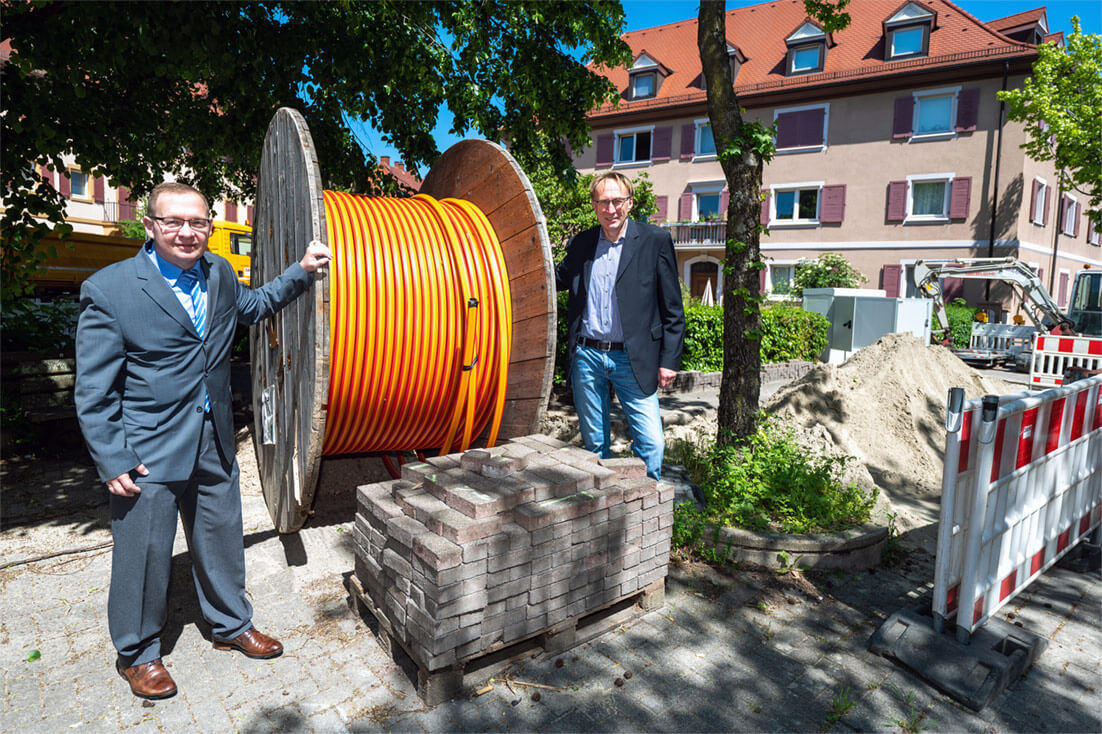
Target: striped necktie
188,282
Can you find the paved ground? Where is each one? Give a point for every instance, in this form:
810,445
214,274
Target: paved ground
731,651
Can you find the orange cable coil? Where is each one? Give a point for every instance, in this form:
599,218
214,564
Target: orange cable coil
420,323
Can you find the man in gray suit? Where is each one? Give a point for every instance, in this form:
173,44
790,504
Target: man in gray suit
153,400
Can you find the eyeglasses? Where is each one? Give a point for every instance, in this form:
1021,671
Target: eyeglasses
172,224
614,203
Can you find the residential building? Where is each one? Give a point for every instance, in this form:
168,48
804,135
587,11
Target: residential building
891,145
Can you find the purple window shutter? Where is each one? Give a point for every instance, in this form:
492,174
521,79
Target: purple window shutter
1062,213
1044,221
249,213
891,277
811,127
788,130
688,140
605,144
897,201
1033,199
968,108
724,202
231,211
663,205
951,288
761,281
765,208
661,144
1076,214
832,207
904,114
65,185
960,196
97,189
685,210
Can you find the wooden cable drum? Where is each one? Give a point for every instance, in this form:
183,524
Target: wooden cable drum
433,331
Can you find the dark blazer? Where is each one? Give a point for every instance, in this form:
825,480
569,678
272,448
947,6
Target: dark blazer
648,293
143,372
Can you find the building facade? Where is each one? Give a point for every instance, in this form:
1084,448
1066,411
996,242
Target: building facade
891,145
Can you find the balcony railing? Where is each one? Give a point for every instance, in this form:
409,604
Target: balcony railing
686,234
117,211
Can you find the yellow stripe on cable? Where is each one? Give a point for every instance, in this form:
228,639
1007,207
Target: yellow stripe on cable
420,324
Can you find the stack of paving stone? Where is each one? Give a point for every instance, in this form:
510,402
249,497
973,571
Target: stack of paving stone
466,554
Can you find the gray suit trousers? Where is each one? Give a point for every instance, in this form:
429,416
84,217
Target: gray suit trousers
144,528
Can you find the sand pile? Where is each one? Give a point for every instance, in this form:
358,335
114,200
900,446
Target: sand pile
886,407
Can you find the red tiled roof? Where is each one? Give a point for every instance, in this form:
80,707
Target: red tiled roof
1017,20
399,171
759,31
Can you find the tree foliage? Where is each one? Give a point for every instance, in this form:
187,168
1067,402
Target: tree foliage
1061,104
829,270
743,150
139,90
567,207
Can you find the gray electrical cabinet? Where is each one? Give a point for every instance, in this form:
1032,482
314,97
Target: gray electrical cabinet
859,317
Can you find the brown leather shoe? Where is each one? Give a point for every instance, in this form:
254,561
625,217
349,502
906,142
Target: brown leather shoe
149,680
253,643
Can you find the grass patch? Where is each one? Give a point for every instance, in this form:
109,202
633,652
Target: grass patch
768,483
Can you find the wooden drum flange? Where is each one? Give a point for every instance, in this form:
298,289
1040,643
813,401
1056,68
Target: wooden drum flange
290,352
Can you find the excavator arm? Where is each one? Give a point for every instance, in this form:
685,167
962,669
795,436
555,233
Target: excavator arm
1038,304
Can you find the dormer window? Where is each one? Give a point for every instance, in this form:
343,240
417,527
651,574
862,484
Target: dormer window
907,32
642,85
645,77
807,48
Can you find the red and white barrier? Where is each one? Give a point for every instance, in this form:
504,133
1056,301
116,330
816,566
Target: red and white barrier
1053,355
1022,483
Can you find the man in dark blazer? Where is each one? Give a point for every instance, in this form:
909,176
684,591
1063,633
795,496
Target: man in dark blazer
626,321
153,400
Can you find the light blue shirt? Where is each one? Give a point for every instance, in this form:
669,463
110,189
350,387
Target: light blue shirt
171,274
602,312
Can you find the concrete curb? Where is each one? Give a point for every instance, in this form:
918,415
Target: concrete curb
856,549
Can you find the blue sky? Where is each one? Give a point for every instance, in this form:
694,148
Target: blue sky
649,13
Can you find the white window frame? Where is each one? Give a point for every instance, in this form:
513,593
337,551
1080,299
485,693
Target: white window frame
1094,233
795,223
87,194
706,188
651,72
617,134
1037,216
697,155
923,26
805,148
910,217
954,94
769,278
1073,211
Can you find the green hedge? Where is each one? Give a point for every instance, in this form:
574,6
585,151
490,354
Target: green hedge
961,318
788,332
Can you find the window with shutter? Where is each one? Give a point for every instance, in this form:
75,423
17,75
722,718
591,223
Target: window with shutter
78,185
662,205
97,189
605,145
904,116
968,108
801,129
1068,215
705,144
663,141
935,114
890,277
833,208
960,197
231,211
765,206
1038,202
897,201
935,197
688,140
685,207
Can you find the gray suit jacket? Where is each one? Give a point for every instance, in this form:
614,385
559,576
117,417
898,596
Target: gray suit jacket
143,371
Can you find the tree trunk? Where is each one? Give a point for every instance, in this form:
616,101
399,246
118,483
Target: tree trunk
742,167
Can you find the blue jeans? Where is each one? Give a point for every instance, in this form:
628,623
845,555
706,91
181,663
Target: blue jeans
592,373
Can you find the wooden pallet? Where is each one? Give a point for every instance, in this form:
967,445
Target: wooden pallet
436,686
